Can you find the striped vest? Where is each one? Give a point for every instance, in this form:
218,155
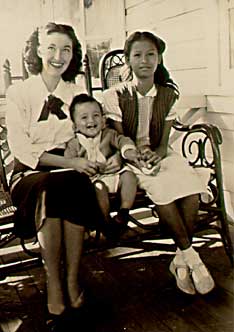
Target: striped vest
162,104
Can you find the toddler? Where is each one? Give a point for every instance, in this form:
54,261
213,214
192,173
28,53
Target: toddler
94,144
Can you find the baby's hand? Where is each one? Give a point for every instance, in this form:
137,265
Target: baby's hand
113,164
133,157
101,167
83,165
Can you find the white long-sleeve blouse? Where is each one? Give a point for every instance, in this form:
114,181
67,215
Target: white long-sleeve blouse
28,138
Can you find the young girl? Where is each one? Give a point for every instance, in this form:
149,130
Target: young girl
63,201
142,108
94,144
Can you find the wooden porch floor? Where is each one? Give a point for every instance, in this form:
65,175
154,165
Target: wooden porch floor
128,289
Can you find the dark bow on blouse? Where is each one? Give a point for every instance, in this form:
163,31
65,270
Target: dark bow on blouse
52,105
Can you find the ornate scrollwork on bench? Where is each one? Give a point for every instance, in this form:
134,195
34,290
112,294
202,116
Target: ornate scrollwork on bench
7,210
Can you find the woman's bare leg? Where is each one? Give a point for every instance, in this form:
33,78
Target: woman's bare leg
73,242
50,240
170,216
188,207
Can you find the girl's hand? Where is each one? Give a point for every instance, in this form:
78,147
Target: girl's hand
153,159
83,165
145,153
149,158
114,164
153,170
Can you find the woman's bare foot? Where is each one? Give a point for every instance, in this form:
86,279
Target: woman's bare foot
55,300
75,293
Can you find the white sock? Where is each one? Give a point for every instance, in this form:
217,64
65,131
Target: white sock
179,261
191,256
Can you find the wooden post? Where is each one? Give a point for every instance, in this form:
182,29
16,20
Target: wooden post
87,72
24,70
7,74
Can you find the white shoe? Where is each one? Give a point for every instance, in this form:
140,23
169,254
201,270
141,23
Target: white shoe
184,284
202,278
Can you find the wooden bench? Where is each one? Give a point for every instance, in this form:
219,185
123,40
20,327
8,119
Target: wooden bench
7,211
198,142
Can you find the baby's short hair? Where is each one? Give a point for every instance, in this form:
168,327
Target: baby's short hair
81,99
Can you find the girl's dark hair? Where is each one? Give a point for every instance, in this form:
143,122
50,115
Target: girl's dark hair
81,99
33,61
161,75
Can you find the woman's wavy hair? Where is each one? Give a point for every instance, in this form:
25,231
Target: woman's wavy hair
34,63
161,75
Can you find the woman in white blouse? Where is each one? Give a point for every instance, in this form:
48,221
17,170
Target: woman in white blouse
44,181
142,108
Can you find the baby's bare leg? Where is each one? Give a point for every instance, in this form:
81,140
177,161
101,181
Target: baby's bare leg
103,199
128,188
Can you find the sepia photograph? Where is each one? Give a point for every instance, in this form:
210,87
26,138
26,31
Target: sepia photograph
116,165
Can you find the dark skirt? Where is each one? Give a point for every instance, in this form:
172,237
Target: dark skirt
69,195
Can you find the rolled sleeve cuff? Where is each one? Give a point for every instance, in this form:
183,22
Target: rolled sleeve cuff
127,147
30,160
114,117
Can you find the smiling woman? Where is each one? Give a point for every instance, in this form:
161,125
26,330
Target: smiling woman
52,196
55,51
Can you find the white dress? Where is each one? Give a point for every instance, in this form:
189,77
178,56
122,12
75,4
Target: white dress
175,179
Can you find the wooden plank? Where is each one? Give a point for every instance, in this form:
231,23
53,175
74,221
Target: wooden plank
227,145
152,315
186,55
187,27
158,11
191,116
30,297
132,3
220,104
190,82
228,177
167,6
221,120
101,16
191,101
135,294
229,199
